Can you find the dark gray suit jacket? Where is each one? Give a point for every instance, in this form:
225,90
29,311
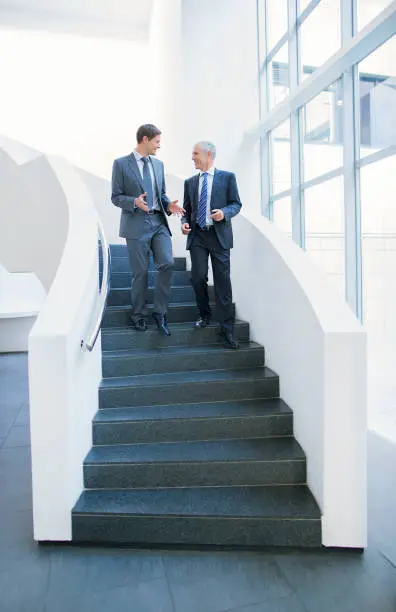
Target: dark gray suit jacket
224,195
127,185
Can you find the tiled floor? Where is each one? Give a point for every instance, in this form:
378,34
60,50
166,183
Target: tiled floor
61,578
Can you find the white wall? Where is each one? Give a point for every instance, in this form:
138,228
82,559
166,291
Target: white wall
78,97
220,80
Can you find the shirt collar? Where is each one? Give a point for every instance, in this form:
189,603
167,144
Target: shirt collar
211,170
138,155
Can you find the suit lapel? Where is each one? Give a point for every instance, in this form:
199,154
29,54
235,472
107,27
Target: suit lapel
156,181
195,187
215,185
135,170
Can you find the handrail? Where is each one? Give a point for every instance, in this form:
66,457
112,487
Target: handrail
87,345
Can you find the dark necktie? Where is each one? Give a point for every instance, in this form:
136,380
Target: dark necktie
201,219
147,184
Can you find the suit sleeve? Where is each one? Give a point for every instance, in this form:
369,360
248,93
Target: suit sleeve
234,203
186,205
164,198
118,196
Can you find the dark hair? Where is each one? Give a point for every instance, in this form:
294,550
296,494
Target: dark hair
149,130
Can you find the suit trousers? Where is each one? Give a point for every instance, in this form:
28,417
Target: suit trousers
154,239
205,244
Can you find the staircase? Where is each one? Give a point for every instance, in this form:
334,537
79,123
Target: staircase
191,443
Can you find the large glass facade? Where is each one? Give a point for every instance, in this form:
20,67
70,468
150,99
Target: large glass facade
331,152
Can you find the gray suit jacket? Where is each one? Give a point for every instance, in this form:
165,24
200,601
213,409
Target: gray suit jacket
127,185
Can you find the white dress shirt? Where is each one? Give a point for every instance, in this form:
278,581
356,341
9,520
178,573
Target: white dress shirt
210,173
140,163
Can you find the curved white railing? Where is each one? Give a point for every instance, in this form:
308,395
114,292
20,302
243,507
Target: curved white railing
92,334
316,345
51,229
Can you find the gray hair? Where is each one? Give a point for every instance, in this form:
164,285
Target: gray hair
208,147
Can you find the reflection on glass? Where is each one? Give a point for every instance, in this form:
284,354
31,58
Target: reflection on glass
302,5
320,36
281,173
324,229
279,76
377,85
282,215
367,10
276,21
377,185
323,132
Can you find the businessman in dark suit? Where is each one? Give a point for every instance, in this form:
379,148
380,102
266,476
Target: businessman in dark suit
211,199
138,188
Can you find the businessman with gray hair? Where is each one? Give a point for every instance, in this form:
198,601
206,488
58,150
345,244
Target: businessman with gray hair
211,199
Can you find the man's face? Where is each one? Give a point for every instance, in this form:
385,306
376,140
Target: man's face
202,159
152,145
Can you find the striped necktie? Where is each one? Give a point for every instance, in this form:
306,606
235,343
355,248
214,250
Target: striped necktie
203,200
147,183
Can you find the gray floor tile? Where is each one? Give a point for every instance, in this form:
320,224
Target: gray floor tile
15,478
216,581
150,596
23,586
19,435
346,581
290,604
94,569
23,415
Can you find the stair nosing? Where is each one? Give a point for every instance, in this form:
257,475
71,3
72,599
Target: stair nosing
244,346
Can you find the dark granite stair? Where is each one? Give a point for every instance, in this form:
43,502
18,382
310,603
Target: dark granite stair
199,516
191,444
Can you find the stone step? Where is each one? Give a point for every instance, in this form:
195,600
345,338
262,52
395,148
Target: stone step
124,279
119,316
121,264
122,296
242,419
188,387
194,464
211,516
174,359
183,334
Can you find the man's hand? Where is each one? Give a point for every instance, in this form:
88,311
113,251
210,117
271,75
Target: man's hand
217,214
175,209
140,203
186,229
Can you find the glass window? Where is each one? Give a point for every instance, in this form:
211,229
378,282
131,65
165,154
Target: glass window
280,158
323,129
279,76
367,10
324,229
282,216
276,21
377,185
377,85
320,36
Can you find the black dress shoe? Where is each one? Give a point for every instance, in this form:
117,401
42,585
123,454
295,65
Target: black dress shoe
228,339
202,322
138,323
162,323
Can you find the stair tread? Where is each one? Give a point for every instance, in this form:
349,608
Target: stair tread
288,501
262,449
128,288
230,409
171,305
177,350
174,326
171,378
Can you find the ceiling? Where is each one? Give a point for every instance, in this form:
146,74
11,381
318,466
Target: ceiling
119,18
